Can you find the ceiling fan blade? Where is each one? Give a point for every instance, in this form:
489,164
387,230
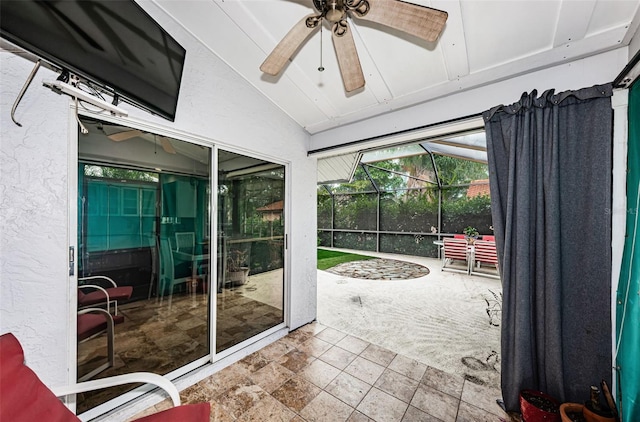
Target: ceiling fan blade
123,136
420,21
166,145
287,47
348,60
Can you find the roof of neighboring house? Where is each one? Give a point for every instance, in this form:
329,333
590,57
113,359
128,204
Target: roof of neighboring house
478,188
275,206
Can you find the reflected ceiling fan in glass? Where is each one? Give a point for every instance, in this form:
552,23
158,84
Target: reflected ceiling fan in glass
135,133
420,21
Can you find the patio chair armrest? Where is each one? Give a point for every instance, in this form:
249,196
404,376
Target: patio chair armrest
104,291
99,277
95,286
134,377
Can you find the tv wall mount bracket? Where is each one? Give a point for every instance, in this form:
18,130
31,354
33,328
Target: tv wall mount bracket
68,84
23,90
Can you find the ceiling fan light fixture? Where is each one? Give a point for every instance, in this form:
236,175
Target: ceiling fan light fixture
416,20
335,10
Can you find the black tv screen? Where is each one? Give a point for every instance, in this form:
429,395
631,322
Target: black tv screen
114,44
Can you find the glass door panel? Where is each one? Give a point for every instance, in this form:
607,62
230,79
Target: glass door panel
143,221
250,278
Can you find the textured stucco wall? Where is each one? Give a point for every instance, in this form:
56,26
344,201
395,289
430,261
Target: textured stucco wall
33,223
35,206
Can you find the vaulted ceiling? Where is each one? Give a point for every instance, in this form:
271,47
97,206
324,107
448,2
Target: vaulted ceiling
483,42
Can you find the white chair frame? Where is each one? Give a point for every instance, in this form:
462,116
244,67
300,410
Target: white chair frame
95,286
110,343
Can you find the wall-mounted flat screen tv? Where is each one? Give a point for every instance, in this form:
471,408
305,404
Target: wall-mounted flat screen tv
114,44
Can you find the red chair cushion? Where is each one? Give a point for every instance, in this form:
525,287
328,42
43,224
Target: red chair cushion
23,397
188,412
486,252
97,296
90,324
455,249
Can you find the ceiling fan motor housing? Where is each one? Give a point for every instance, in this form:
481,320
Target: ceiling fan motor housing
334,10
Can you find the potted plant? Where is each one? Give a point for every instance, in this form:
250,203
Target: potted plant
471,233
594,411
237,268
571,412
537,406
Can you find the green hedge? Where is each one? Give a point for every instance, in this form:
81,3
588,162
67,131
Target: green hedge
460,213
356,211
405,244
414,211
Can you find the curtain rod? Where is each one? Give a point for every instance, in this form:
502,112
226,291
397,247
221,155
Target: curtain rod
625,79
400,132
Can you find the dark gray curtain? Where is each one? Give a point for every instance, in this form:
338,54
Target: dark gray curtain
550,161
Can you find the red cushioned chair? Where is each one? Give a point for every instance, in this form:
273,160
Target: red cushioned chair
99,294
24,398
484,252
454,251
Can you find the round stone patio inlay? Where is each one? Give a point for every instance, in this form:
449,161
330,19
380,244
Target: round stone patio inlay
380,269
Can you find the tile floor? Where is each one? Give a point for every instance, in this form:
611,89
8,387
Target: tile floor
318,373
159,338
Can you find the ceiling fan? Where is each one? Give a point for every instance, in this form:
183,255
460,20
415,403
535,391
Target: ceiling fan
421,21
128,134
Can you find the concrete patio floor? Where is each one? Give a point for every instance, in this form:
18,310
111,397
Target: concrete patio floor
439,319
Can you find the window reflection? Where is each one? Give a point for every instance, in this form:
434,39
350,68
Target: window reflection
250,279
144,222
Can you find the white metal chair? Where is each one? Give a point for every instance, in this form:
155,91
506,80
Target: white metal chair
100,294
92,322
26,398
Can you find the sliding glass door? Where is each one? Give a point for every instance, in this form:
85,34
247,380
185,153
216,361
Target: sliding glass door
145,211
251,242
144,221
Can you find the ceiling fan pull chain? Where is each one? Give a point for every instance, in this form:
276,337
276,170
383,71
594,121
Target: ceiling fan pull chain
321,68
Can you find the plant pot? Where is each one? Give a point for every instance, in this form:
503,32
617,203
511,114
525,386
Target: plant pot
239,277
571,412
591,416
537,406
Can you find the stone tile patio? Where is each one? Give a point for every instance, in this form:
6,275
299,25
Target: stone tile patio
318,373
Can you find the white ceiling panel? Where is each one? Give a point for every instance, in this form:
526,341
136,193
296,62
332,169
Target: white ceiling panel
482,42
410,65
611,14
498,32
